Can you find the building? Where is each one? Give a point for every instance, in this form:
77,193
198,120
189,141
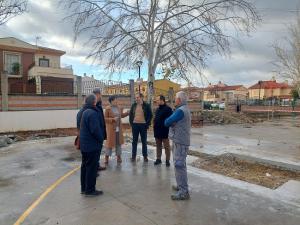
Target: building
161,87
194,93
34,69
270,90
90,83
220,92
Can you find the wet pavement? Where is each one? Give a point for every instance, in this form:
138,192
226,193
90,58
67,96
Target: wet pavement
277,140
133,193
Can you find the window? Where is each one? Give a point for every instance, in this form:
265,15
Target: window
13,63
44,62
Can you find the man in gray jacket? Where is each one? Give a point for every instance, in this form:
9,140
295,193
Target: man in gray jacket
180,133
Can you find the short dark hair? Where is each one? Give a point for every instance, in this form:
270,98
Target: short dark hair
97,91
90,99
112,98
161,97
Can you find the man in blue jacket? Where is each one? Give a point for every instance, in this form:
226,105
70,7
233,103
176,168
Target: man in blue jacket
91,140
180,132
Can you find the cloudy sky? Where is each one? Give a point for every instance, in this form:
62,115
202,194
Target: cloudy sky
247,64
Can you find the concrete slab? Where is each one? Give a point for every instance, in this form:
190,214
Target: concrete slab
133,193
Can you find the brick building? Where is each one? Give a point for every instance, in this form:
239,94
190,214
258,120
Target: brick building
34,69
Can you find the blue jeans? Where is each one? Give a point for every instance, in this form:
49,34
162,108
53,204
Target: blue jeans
179,157
139,129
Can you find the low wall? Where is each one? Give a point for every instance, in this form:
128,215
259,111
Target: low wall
41,102
38,120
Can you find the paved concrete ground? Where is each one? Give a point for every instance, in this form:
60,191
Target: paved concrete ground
277,140
133,194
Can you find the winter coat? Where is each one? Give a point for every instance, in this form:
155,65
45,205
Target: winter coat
91,130
111,127
102,120
161,114
147,113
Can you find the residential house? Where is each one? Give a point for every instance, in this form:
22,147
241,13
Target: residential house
194,93
34,69
270,89
220,92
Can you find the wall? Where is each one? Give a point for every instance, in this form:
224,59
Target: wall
54,61
39,120
43,102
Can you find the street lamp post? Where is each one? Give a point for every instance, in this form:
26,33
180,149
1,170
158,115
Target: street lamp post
139,81
259,82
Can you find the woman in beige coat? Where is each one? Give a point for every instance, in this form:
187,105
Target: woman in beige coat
113,115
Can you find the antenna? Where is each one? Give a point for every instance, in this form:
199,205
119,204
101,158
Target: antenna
36,40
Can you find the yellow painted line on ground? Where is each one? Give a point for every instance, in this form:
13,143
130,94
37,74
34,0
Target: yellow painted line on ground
43,196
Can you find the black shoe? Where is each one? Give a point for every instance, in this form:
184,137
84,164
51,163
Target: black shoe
94,193
157,162
146,159
167,163
101,168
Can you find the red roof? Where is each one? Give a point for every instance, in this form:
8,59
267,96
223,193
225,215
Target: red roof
271,84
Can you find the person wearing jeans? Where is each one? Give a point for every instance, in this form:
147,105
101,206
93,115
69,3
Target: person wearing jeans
140,117
161,132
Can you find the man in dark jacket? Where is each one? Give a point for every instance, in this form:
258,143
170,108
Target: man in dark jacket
140,117
91,140
161,133
97,92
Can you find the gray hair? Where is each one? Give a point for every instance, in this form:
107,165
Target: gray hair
90,99
182,96
97,91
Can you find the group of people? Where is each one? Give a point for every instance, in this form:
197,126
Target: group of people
97,128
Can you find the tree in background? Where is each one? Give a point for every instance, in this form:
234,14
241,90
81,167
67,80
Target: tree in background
174,34
288,63
10,9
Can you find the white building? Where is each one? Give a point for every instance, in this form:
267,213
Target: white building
90,83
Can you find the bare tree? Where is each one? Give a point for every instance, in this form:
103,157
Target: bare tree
10,9
288,63
177,34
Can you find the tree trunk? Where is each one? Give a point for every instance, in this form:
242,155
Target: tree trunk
150,84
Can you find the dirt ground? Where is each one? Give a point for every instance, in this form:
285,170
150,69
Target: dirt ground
252,172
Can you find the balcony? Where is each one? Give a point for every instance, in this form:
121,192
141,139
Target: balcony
38,71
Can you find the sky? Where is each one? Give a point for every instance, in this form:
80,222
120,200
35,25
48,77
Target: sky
249,62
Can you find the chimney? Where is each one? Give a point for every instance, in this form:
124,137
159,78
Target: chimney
92,76
84,74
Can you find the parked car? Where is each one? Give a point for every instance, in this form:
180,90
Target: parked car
222,106
207,105
215,105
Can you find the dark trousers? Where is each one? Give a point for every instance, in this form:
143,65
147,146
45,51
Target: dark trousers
139,129
89,168
159,145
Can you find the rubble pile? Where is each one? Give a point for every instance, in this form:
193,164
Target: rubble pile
226,117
